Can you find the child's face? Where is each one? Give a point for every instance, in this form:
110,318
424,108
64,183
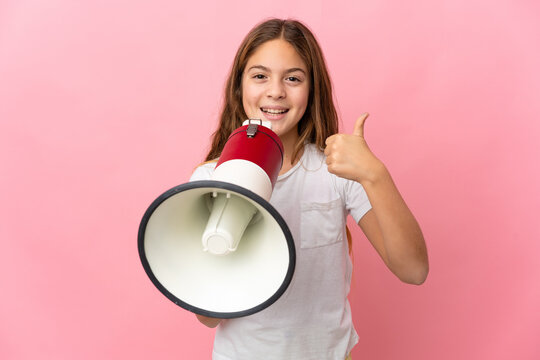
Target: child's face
275,87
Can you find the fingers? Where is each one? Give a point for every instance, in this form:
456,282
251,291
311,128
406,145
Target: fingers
359,125
328,142
331,143
357,131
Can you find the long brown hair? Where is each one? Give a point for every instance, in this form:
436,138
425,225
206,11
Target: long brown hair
320,119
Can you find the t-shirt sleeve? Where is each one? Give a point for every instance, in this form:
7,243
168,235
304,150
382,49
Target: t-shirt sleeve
356,199
203,172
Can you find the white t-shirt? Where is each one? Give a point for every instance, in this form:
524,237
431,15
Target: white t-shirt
312,320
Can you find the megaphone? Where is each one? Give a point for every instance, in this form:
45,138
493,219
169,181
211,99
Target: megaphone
217,247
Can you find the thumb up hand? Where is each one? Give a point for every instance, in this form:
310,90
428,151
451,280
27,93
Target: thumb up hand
348,155
359,125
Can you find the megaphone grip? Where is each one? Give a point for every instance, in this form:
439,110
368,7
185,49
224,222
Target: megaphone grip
229,217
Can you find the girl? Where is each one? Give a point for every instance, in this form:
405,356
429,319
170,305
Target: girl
279,74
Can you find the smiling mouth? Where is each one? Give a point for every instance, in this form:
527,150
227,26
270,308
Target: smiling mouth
274,111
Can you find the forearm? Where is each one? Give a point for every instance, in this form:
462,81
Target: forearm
404,249
390,226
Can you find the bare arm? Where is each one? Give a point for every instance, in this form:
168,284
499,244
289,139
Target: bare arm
389,225
394,232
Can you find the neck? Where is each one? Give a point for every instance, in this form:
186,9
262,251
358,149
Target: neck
288,151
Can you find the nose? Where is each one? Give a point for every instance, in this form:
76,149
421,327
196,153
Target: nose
276,89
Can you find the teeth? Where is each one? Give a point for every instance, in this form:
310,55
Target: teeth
274,111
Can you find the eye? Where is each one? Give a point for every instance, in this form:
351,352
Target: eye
259,77
293,79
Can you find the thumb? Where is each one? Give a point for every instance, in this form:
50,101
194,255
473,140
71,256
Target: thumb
359,126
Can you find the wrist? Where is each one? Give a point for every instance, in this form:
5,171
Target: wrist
378,173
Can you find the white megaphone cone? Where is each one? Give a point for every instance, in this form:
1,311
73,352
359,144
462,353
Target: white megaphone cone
217,247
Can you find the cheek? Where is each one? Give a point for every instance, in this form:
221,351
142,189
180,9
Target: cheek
249,99
249,108
301,99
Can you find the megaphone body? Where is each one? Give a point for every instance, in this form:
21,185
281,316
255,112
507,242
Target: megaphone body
217,247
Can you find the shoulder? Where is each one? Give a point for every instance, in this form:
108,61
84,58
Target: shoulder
313,157
313,150
313,167
348,190
204,171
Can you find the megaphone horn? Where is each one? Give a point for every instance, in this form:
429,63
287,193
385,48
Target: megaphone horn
217,247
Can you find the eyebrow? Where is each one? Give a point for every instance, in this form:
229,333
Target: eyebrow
264,68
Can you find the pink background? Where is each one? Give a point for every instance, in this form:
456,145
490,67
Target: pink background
106,104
